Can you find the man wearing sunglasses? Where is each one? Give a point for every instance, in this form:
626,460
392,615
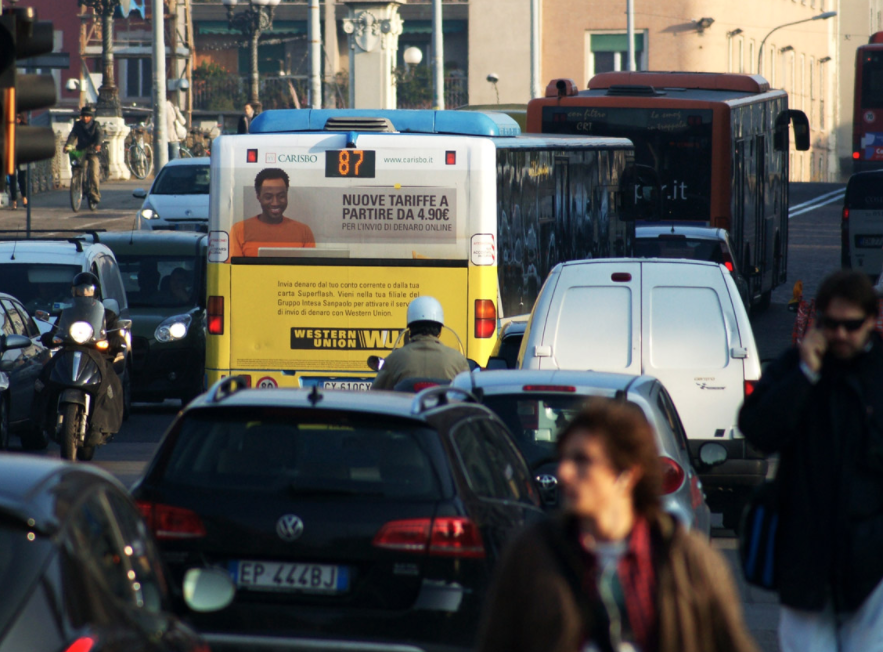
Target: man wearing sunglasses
820,406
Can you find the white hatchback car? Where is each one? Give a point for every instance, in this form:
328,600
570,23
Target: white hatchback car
178,198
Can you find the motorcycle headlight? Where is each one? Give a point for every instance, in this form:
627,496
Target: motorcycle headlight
173,328
81,332
148,214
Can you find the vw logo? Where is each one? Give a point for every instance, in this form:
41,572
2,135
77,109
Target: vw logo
547,482
289,527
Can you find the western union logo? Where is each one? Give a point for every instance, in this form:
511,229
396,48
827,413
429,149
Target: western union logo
354,339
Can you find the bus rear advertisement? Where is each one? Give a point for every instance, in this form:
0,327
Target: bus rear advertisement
320,236
867,119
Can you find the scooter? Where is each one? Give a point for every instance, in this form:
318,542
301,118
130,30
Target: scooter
78,374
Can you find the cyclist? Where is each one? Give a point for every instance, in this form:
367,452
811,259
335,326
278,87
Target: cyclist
87,134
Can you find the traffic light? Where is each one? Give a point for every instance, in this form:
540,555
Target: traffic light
23,36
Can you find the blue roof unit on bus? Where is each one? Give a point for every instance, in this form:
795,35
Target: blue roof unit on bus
456,123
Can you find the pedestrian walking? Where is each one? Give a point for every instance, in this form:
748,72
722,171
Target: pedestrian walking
176,129
611,572
820,407
18,180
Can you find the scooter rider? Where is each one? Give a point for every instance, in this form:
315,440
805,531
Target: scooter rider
108,413
424,356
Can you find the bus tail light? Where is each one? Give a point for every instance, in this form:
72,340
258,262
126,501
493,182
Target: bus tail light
215,315
485,318
855,155
450,158
845,214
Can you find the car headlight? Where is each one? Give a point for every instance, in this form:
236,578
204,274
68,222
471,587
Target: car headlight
173,328
148,214
81,332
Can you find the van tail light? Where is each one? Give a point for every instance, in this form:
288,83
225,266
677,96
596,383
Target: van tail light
485,318
82,644
695,492
749,387
447,536
168,522
672,475
845,214
215,315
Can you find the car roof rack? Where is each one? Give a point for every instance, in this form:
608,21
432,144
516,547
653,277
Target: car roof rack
226,387
77,240
440,394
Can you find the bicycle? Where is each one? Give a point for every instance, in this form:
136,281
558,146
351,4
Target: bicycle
81,182
139,155
104,161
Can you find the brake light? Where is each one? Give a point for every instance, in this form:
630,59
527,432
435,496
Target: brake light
449,536
215,313
695,492
455,536
728,261
855,155
423,384
845,214
672,475
485,318
83,644
168,522
749,387
549,388
411,535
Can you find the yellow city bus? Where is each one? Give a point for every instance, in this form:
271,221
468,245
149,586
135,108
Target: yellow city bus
325,224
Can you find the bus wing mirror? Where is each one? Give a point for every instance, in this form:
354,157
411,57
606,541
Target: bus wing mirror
641,194
800,123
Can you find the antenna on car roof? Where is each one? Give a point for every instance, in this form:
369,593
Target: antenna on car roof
14,244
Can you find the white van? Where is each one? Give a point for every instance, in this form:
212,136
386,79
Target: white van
861,226
682,321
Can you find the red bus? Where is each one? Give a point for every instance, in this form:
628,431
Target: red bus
867,111
719,144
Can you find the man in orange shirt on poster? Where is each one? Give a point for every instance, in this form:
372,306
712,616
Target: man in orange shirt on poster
271,228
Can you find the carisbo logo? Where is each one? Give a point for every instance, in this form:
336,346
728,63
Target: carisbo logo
353,339
297,158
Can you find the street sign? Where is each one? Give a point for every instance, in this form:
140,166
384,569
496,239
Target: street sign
57,60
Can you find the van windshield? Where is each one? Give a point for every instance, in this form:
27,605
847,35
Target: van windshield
38,286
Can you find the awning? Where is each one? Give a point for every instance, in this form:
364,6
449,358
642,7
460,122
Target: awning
425,26
221,28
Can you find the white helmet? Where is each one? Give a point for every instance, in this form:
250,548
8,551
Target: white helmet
425,309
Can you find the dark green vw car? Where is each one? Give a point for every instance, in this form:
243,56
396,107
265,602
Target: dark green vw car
164,276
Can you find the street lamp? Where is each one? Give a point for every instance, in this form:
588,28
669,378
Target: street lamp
412,56
255,20
823,16
108,95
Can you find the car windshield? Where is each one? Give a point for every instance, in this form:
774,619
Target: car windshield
316,454
535,420
38,286
20,564
159,281
182,180
679,246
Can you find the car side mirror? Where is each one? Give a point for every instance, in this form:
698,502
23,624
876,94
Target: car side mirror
9,342
495,362
711,455
139,193
42,315
208,589
375,362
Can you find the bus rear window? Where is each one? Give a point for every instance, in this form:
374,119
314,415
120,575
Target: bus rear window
872,81
334,456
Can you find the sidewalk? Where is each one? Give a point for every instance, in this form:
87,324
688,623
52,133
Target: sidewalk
52,210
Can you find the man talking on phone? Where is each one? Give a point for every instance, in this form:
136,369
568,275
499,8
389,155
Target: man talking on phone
820,406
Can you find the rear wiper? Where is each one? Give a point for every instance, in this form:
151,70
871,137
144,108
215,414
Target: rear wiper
302,490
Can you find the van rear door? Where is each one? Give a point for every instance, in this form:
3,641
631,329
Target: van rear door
594,320
688,332
862,244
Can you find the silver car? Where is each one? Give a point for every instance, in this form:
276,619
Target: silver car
536,404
